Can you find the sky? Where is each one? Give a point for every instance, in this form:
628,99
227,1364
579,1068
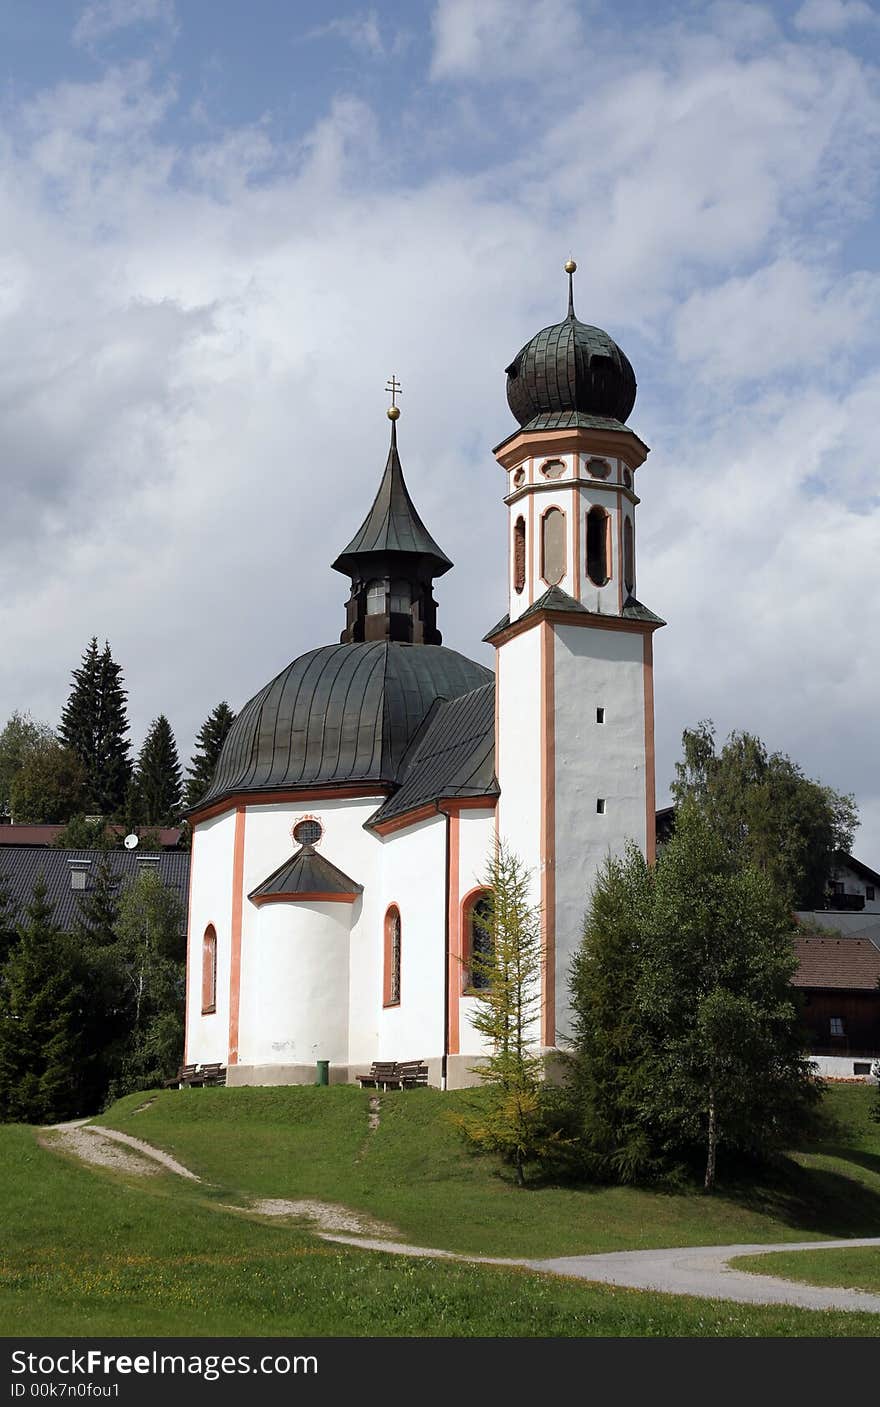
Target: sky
223,227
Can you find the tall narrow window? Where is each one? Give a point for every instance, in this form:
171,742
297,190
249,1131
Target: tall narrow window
597,546
553,546
478,942
376,598
391,994
401,598
209,970
519,555
629,575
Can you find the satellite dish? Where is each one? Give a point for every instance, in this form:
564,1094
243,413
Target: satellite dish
130,841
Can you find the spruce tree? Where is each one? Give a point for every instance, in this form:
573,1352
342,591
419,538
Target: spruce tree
209,743
94,726
44,1057
107,1022
158,776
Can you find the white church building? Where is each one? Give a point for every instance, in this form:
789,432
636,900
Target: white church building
340,852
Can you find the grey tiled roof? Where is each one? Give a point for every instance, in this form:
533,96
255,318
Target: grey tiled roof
21,866
392,524
453,756
339,714
306,872
555,599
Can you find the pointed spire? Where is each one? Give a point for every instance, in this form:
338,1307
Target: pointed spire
571,270
392,524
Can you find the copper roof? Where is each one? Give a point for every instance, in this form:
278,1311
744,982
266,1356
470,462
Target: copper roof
852,963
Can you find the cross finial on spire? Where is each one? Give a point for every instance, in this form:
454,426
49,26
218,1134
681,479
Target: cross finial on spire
571,270
393,385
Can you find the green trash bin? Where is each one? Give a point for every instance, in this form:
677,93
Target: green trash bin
322,1072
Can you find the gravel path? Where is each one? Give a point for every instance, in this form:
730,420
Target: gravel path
102,1146
691,1270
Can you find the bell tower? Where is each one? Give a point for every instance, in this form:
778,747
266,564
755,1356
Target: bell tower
392,561
574,659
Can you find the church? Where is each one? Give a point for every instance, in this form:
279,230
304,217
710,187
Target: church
339,855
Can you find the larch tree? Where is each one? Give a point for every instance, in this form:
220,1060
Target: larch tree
209,744
157,778
507,969
94,725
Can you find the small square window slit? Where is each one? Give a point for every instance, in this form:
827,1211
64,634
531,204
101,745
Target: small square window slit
600,805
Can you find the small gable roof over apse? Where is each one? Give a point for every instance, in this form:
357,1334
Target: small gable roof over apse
306,875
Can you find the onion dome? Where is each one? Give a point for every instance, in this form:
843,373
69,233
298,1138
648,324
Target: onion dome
570,374
339,715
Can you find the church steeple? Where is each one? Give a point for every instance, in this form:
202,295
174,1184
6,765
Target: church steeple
392,561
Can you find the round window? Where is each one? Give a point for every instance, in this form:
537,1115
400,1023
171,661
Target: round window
307,832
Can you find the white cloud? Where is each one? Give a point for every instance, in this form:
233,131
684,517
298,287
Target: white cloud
361,31
194,343
833,16
103,18
504,38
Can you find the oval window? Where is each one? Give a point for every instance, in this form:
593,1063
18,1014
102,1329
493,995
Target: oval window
307,832
599,468
553,469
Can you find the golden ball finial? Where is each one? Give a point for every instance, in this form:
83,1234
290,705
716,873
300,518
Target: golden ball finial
570,266
393,412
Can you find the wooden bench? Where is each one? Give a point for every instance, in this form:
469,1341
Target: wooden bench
384,1074
195,1076
183,1077
413,1074
394,1074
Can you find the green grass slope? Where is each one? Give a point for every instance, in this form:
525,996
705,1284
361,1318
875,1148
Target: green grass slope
853,1269
90,1251
415,1172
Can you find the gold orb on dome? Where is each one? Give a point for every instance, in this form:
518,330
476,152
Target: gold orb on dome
393,412
570,266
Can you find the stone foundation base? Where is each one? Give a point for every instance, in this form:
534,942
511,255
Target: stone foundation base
460,1072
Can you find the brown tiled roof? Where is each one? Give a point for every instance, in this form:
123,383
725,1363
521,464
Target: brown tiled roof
169,836
852,963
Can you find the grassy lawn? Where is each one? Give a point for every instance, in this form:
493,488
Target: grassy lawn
415,1173
856,1269
91,1251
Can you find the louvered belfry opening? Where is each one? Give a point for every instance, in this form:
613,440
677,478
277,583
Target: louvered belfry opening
392,561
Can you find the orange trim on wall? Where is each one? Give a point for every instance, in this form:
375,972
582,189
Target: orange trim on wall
548,837
615,444
190,956
315,897
453,1034
274,798
619,555
235,953
467,903
409,818
650,764
576,545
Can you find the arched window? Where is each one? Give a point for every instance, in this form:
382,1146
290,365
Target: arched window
598,555
376,598
629,575
519,555
477,941
401,598
553,546
209,970
391,985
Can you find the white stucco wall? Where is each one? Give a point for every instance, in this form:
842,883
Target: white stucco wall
274,1034
413,878
476,838
210,902
593,669
518,748
842,1067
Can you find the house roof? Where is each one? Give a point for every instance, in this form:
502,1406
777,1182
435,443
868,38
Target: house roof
453,756
305,873
849,862
843,963
21,866
169,836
